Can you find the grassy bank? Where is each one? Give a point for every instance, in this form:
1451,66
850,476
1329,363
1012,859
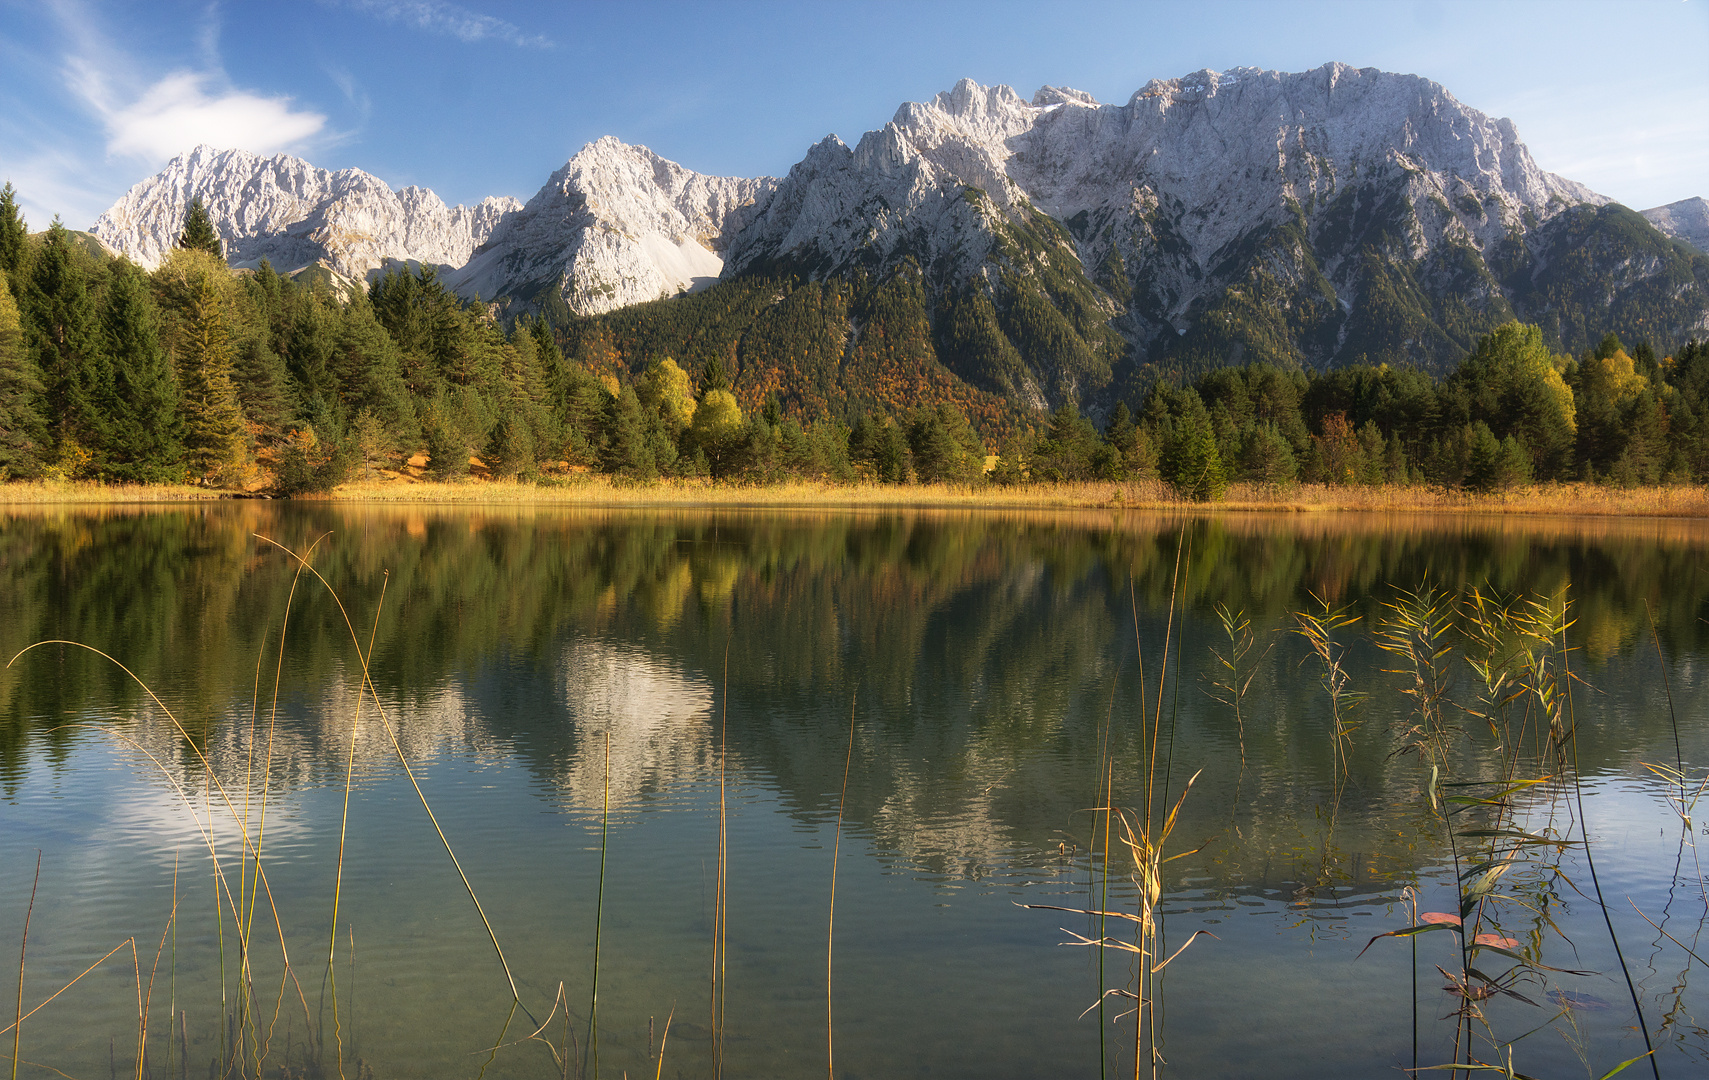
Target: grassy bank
1565,499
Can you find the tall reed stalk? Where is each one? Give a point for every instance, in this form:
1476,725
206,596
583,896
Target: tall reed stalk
831,919
1144,836
721,910
24,947
599,912
245,1039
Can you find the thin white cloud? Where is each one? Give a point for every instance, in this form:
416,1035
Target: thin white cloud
186,108
449,20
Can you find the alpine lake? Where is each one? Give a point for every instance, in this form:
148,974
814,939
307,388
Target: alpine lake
653,742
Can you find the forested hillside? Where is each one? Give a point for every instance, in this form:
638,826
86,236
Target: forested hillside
198,373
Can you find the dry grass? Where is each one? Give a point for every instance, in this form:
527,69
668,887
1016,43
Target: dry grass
1573,499
48,492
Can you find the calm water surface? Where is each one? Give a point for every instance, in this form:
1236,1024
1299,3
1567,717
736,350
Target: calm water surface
538,666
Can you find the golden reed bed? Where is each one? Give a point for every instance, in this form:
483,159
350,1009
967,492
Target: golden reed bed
1572,499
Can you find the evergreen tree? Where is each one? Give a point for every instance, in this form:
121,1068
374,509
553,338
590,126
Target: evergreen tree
1266,457
310,347
581,408
1067,449
551,357
213,419
143,440
627,451
13,251
712,377
59,309
1012,461
1496,465
1190,462
264,387
944,447
366,367
447,443
1514,384
22,431
199,233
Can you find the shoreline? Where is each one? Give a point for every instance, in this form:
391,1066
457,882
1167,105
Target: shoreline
1571,499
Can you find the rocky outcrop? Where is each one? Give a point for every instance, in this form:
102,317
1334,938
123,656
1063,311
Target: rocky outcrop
1170,198
617,225
294,215
1687,220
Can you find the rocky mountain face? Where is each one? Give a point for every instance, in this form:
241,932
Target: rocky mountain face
285,210
617,225
1687,220
1334,216
1013,253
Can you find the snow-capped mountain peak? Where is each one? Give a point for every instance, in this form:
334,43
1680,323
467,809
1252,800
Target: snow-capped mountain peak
285,210
616,225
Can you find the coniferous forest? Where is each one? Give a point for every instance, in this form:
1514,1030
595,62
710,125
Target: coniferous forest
249,379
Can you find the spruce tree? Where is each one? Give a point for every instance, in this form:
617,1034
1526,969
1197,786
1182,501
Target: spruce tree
1191,462
199,233
627,450
213,419
21,428
712,377
264,387
367,368
60,314
12,233
143,440
550,356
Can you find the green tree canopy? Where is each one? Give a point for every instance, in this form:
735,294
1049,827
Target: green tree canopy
21,428
1512,383
199,233
143,439
213,419
12,232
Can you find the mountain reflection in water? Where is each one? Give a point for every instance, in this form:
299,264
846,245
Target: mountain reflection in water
987,660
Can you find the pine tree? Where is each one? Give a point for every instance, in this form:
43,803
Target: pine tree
1190,459
264,387
551,358
366,368
199,233
712,377
213,419
1066,450
21,428
12,233
60,315
143,440
627,451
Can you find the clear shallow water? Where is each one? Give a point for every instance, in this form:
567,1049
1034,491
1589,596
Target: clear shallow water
980,656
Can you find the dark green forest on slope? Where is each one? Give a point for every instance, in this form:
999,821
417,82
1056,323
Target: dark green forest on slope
195,373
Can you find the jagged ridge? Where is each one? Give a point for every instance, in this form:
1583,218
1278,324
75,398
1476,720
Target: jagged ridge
616,225
285,210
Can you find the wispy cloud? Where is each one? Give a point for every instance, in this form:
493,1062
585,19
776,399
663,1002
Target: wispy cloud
190,107
438,17
152,116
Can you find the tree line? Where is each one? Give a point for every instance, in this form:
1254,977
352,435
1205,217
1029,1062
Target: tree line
194,373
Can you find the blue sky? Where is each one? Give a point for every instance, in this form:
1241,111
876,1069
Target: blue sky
475,99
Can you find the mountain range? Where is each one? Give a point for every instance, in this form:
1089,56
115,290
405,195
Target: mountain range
1054,248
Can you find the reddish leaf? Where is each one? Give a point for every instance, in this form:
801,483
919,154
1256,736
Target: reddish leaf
1441,918
1496,941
